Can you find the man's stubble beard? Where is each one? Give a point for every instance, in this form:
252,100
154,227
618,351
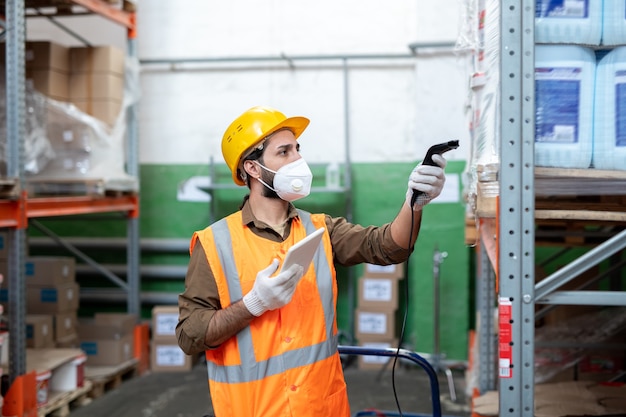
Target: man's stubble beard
268,178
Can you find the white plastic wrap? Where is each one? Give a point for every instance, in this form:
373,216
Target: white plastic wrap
36,146
484,99
63,143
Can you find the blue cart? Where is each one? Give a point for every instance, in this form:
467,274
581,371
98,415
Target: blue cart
402,354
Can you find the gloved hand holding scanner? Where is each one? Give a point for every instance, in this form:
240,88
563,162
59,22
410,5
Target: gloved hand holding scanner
427,179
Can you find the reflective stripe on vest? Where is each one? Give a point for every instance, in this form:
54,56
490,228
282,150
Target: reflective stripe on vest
251,369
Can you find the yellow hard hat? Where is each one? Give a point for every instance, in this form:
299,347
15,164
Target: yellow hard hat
250,128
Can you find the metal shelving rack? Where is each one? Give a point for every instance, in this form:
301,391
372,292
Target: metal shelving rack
515,214
513,234
16,212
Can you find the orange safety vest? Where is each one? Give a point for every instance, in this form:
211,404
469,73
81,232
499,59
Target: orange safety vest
285,363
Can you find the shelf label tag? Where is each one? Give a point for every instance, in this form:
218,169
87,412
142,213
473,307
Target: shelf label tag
505,336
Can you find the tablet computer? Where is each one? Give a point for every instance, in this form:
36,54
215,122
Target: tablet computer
302,252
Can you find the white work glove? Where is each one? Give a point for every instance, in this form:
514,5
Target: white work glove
270,293
428,179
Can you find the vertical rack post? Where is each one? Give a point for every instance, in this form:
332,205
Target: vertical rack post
485,303
16,131
132,227
516,210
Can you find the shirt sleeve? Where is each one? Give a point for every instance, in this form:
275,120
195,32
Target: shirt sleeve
354,244
197,303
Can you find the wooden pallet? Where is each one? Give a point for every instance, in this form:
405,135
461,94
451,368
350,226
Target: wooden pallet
47,187
60,404
567,194
107,378
9,188
559,231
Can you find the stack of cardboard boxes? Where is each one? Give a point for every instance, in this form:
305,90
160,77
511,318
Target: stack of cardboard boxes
96,81
92,78
52,300
47,69
108,339
375,316
166,355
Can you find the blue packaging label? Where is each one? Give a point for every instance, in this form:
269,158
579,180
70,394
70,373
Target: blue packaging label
30,331
620,108
29,269
4,295
48,295
90,348
557,104
578,9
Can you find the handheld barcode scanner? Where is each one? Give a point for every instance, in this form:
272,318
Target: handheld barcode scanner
428,160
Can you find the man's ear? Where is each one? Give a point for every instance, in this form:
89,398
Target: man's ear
251,168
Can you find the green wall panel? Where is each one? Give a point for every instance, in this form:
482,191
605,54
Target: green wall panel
379,191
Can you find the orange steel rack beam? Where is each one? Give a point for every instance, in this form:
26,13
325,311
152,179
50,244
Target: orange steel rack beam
15,213
106,10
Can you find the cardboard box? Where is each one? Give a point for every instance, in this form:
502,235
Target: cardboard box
65,325
70,341
105,110
384,271
4,299
45,271
46,55
39,331
53,299
164,321
48,82
372,324
371,362
378,292
105,345
108,338
124,321
98,59
4,271
4,245
105,86
168,357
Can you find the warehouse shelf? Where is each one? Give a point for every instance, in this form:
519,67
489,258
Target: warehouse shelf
511,220
18,209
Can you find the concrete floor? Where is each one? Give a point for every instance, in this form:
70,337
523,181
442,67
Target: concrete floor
185,394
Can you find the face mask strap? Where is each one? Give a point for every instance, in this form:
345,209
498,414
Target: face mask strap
264,167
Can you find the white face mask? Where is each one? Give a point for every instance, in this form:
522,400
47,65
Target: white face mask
291,181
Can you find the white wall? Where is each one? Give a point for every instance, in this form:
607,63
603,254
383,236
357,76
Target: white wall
398,107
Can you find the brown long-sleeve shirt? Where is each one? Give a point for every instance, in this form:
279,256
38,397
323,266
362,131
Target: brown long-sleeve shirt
352,244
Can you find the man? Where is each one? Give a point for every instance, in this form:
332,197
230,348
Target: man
271,341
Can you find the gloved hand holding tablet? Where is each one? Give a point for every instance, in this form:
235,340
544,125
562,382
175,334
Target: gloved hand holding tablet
303,251
274,291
